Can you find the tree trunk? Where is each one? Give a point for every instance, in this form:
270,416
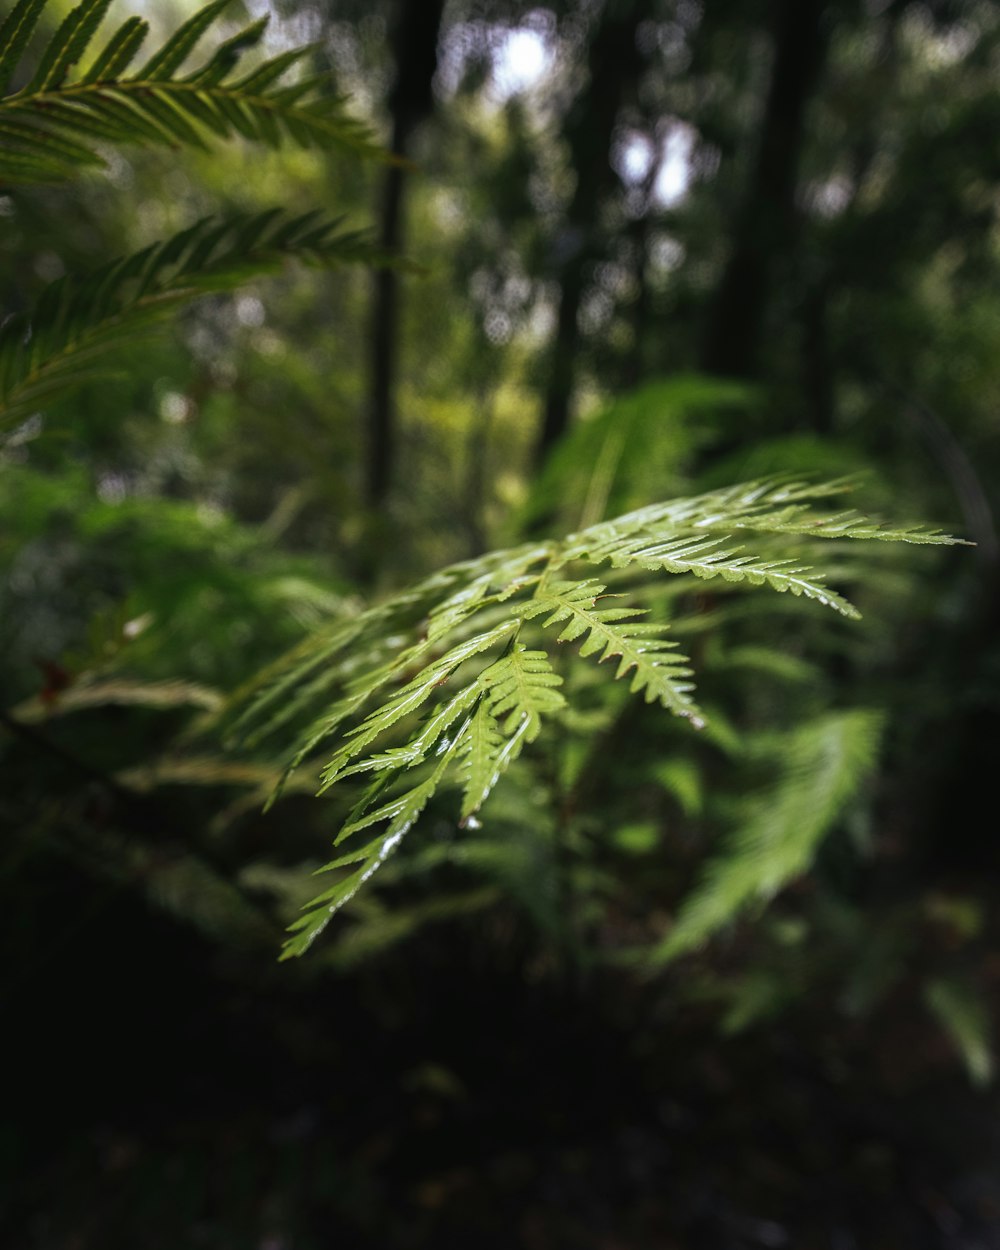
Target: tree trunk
736,320
414,49
613,63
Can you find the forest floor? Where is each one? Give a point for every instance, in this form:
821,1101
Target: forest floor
158,1098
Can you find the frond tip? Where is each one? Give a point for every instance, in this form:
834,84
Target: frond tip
49,127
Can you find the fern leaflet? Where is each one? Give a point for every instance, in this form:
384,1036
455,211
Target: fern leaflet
517,690
657,670
768,506
710,557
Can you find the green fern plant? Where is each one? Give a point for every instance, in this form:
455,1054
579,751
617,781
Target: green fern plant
449,681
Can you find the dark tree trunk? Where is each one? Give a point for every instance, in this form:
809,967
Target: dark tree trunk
817,367
613,64
735,328
384,336
414,50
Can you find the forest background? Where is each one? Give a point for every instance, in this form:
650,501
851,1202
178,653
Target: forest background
658,248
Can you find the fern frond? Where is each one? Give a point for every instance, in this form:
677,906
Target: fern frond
79,324
656,668
783,506
414,752
824,763
452,703
156,105
692,536
287,687
847,524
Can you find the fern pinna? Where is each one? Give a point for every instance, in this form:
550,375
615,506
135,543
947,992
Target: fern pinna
448,681
49,126
80,323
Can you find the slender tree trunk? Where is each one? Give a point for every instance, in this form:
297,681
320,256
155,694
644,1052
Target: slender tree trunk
764,230
613,63
385,334
817,366
414,49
